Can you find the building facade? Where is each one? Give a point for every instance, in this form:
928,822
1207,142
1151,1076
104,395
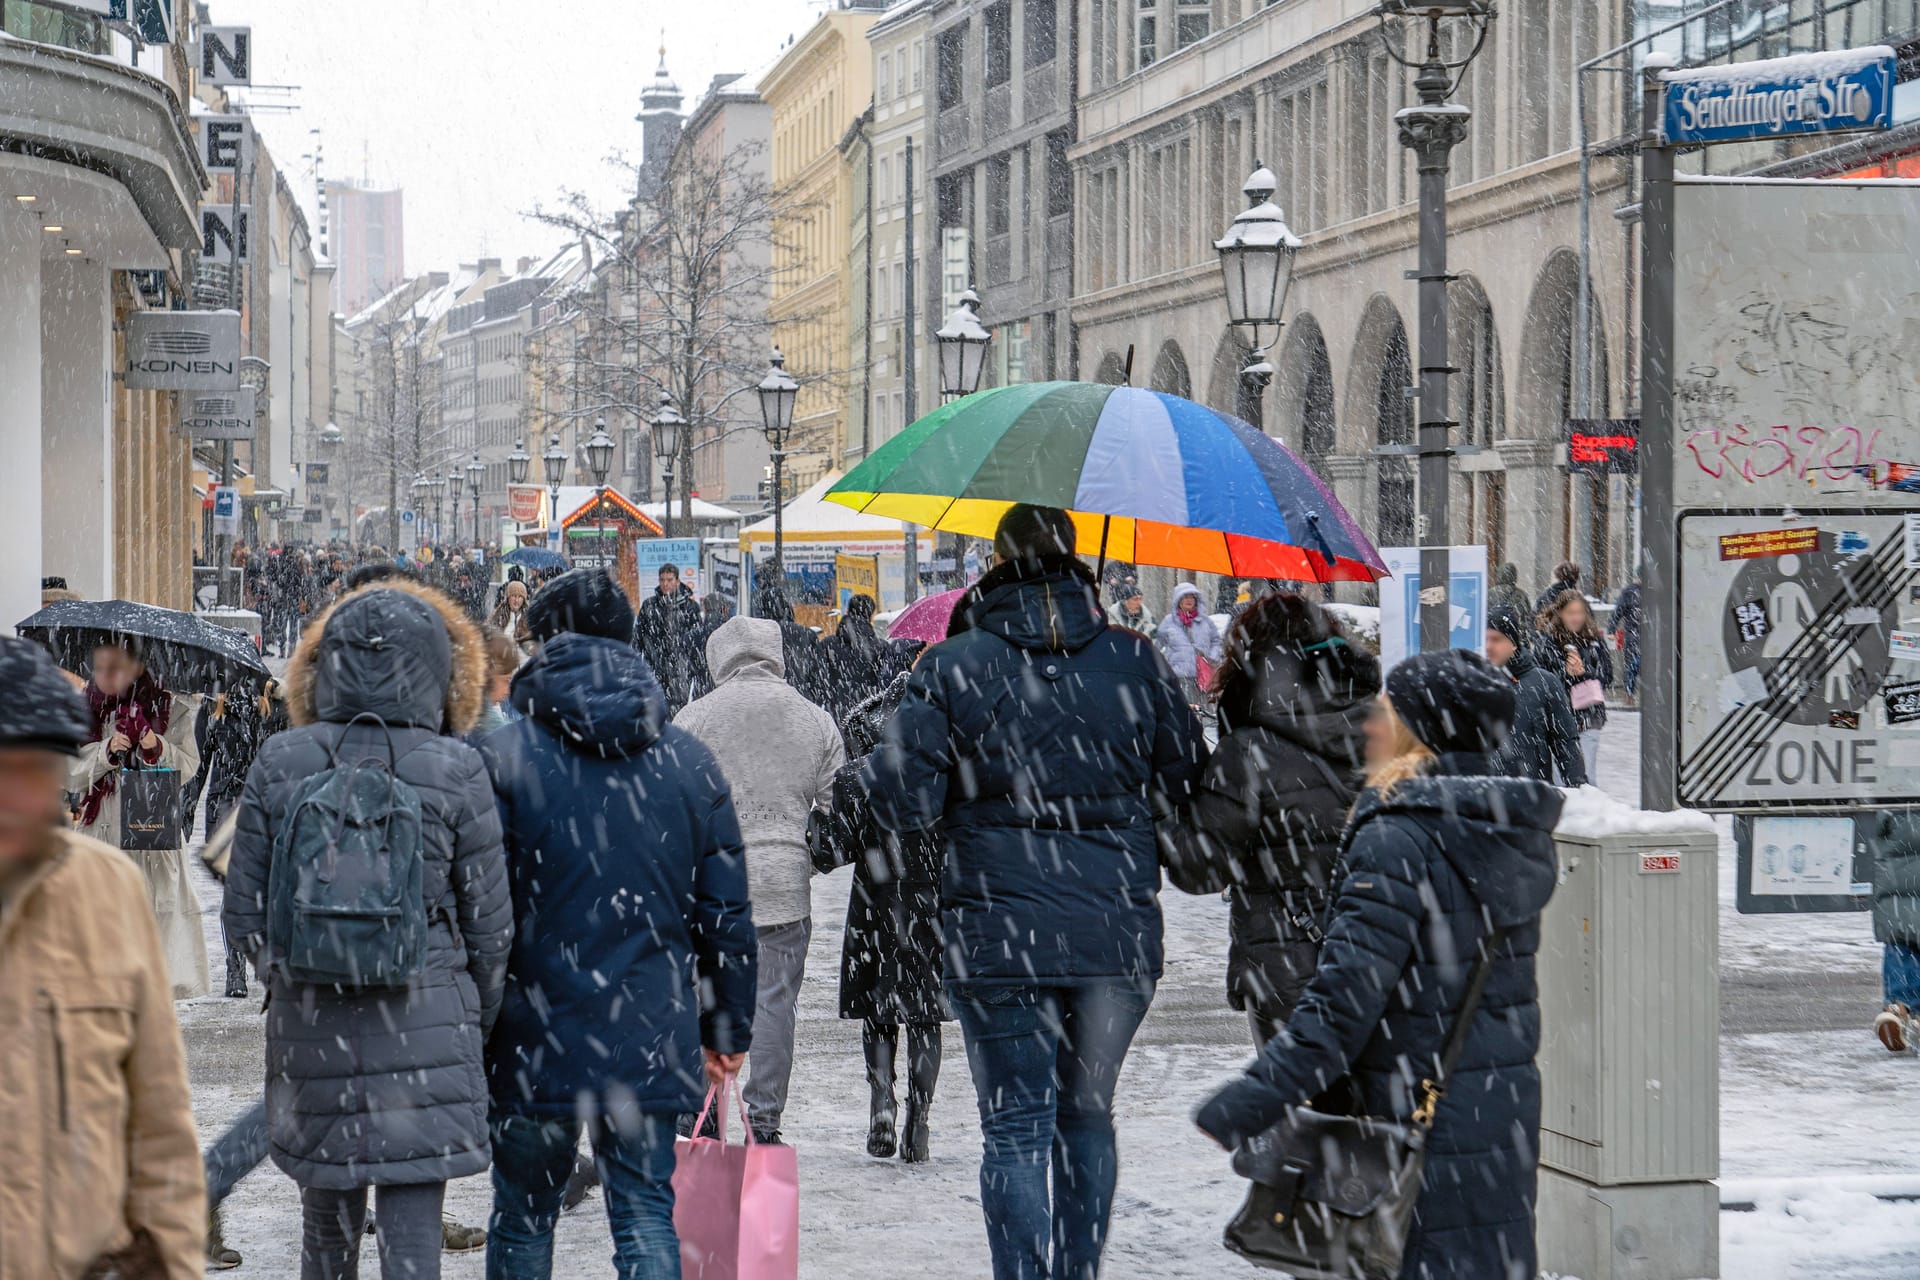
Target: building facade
815,91
366,239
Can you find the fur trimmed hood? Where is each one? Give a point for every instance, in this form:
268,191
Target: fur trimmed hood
464,694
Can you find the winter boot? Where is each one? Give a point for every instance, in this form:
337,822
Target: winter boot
458,1237
880,1043
585,1177
923,1073
236,975
219,1257
1896,1028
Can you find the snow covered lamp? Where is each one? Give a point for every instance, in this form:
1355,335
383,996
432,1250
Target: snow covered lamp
555,462
519,463
778,391
666,422
600,452
1256,257
963,347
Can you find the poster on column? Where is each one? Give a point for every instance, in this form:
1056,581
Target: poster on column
1400,602
649,554
1799,660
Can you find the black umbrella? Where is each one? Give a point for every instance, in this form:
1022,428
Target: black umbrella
184,654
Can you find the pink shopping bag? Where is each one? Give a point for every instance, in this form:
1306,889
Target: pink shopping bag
735,1208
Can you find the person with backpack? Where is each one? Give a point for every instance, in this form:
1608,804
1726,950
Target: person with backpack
613,817
1445,867
368,885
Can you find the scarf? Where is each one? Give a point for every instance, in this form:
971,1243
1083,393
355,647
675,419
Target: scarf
144,707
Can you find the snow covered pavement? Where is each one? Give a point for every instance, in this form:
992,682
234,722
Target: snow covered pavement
1808,1095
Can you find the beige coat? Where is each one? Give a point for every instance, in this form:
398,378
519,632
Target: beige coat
96,1126
176,907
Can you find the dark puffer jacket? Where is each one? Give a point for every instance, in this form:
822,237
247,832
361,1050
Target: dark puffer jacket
384,1087
1896,876
1544,735
1428,866
1045,743
1266,822
636,945
1595,658
665,630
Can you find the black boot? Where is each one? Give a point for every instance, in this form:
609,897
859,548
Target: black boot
923,1073
236,975
880,1042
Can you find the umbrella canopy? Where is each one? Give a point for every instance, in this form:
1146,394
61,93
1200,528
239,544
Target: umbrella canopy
183,653
926,618
1149,477
538,559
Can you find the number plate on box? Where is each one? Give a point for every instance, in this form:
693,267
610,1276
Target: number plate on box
1659,863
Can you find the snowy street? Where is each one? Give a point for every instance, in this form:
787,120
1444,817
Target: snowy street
1808,1096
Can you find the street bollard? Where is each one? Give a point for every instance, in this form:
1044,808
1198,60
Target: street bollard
1630,1041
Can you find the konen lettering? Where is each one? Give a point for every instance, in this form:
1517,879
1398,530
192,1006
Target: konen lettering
162,364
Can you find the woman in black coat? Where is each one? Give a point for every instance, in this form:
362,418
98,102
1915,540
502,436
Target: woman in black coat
1571,647
890,958
229,730
1266,822
1437,851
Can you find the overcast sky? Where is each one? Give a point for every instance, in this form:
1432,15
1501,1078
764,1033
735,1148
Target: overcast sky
482,108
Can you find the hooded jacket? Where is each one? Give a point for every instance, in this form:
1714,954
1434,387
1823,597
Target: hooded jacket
634,942
1044,743
1183,642
1266,821
1428,866
779,753
96,1123
1545,735
365,1088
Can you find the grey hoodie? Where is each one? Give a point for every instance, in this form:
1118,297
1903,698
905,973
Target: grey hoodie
779,753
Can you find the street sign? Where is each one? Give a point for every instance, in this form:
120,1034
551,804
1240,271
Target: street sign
406,517
226,510
183,351
314,515
1603,446
1845,91
1796,657
218,415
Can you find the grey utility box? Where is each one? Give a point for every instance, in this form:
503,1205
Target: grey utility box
1630,1042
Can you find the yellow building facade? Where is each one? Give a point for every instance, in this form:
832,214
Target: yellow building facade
816,91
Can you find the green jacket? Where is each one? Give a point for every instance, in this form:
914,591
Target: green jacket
1896,877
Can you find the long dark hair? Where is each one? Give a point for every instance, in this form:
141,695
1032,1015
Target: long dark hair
1548,623
1282,622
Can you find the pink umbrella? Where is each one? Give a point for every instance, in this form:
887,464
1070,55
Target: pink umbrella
926,618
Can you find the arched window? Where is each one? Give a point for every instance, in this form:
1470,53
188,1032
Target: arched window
1395,415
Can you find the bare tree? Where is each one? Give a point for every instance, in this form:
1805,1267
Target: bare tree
678,302
405,434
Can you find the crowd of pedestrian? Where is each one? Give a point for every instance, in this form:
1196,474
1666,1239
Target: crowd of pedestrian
414,827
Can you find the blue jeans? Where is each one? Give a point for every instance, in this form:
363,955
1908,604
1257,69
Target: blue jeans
532,1159
1900,974
1045,1061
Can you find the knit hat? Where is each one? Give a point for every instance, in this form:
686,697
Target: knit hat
1455,701
1031,532
586,602
1508,623
41,709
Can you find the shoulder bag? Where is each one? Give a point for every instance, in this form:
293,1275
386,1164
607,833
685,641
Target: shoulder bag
1333,1196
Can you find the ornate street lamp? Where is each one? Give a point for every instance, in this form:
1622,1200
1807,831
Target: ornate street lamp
519,463
476,472
331,437
778,391
453,484
600,461
1431,129
1256,264
436,489
963,348
667,422
555,462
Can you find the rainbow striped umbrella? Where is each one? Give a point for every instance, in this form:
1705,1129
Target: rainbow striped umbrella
1149,477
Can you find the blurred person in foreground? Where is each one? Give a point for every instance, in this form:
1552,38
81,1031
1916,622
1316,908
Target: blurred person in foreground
1438,852
1044,744
96,1126
631,980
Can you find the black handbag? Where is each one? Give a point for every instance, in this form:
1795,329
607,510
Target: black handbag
1333,1195
149,810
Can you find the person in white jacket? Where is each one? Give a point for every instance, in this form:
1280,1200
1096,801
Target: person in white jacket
1187,636
779,753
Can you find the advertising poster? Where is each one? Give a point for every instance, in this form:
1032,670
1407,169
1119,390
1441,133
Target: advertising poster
855,575
1400,602
682,553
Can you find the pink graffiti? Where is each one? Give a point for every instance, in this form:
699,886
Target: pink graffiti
1806,453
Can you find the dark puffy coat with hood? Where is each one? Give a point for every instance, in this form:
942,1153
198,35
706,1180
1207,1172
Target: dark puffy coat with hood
667,630
636,945
1266,822
1045,743
1545,734
384,1087
1428,866
798,645
1596,659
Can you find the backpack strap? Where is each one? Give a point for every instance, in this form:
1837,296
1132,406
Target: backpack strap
1431,1091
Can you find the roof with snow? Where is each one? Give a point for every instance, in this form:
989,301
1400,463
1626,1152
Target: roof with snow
811,518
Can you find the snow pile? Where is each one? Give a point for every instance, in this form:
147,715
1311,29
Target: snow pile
1591,814
1831,65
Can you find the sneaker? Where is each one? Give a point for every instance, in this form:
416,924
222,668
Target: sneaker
219,1257
457,1237
1895,1027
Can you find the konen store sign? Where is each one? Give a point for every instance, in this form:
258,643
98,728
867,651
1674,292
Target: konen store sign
1840,92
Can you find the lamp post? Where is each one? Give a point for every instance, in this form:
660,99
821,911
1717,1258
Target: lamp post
437,488
1256,264
1431,129
331,438
667,421
476,470
419,491
963,348
600,461
454,485
555,461
777,393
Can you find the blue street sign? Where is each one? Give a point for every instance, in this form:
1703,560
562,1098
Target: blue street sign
1840,92
406,517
